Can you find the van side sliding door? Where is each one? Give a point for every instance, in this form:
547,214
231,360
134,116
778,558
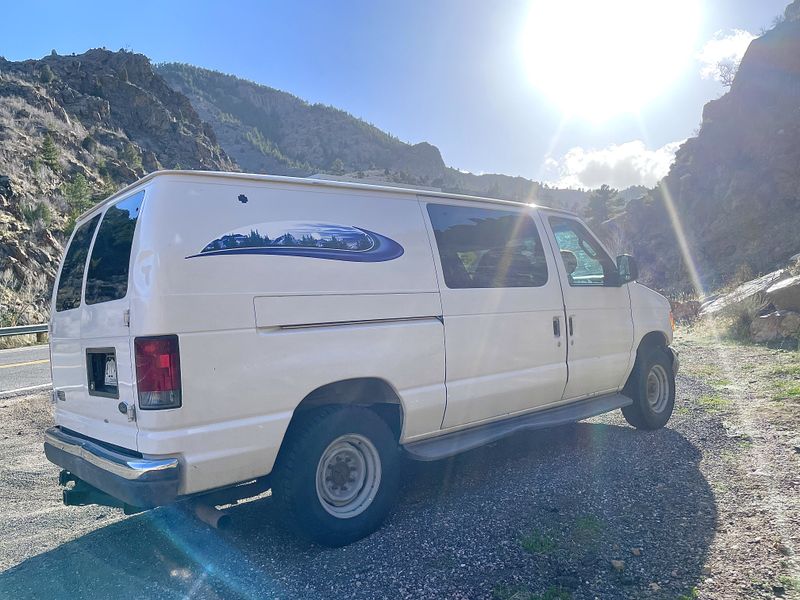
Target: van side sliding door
503,311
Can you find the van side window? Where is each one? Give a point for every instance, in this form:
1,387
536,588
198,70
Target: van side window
585,261
69,284
107,277
486,248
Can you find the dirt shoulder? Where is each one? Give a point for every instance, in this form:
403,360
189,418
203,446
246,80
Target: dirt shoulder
708,507
750,395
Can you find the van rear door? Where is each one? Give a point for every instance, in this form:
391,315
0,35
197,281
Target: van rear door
90,341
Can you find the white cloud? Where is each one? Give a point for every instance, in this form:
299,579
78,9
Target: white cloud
619,166
725,47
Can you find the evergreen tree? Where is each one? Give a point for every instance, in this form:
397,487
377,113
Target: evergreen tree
601,203
78,194
46,74
49,153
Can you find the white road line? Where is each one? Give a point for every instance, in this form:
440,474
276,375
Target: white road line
25,389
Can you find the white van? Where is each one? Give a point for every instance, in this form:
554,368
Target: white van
214,335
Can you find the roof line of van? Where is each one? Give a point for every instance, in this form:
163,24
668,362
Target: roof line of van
311,182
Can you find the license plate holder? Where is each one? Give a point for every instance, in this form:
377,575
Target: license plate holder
101,371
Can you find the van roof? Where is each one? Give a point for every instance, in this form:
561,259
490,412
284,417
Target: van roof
311,182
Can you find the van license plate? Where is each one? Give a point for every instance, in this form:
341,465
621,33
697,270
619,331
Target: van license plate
111,371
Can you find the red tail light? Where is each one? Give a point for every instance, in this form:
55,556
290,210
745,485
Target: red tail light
158,372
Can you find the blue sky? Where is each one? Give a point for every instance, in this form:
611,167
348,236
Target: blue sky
449,72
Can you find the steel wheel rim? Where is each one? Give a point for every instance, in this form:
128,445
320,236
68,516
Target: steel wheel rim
348,476
657,388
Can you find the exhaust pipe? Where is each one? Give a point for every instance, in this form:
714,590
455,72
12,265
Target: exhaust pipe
211,515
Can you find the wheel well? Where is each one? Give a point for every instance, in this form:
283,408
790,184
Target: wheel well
369,392
653,339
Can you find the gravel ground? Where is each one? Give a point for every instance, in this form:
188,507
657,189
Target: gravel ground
708,507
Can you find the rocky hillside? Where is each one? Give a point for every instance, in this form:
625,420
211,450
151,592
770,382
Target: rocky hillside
269,131
736,186
72,130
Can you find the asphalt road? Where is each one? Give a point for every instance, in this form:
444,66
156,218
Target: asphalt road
24,370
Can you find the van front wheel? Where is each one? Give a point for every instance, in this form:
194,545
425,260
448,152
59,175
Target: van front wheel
652,388
336,478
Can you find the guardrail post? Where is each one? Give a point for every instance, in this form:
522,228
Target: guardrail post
40,338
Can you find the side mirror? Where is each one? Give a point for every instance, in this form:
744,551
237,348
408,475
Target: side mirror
627,269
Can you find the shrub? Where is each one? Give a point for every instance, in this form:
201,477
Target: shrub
736,318
89,144
131,155
46,74
36,211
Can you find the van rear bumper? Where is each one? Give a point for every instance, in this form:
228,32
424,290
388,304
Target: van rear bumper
139,482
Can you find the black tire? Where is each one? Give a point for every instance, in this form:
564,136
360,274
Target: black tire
295,486
653,413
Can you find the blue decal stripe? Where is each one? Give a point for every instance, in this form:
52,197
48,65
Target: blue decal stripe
383,249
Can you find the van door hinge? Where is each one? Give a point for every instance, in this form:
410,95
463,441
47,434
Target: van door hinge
126,317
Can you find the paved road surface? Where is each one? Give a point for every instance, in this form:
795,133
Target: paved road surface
24,369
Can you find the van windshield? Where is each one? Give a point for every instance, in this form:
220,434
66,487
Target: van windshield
107,277
69,285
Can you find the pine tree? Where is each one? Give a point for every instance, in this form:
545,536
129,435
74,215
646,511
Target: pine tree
601,202
78,194
49,153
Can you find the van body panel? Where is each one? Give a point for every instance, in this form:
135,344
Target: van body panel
242,375
240,390
287,311
276,287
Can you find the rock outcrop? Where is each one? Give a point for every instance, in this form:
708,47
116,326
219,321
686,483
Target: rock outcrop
735,188
72,130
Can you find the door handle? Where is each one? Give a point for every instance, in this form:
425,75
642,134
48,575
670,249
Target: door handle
569,326
557,326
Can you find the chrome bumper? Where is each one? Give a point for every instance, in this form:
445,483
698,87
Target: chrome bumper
139,482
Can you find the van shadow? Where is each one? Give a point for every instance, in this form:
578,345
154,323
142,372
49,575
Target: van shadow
577,496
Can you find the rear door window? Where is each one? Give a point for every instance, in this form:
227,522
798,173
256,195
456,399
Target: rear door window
486,248
107,277
69,284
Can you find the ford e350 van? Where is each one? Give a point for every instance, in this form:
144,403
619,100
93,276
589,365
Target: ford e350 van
214,335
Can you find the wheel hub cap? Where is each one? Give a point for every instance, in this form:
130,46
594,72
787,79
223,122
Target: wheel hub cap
657,388
348,476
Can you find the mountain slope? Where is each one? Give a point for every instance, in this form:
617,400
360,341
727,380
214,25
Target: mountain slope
267,130
736,186
73,129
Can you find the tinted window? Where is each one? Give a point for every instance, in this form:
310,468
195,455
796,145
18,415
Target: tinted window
485,248
107,278
584,259
69,285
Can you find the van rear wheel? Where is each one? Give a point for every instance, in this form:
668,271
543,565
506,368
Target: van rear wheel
652,388
336,477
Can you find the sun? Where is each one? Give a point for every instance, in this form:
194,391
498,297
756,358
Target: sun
595,59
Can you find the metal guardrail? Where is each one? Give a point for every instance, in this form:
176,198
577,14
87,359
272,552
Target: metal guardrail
24,330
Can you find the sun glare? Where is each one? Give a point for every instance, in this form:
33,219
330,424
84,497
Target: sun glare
596,59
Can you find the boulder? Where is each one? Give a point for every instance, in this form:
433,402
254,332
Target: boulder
750,291
774,326
786,294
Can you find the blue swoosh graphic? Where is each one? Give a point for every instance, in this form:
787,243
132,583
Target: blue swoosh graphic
383,248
